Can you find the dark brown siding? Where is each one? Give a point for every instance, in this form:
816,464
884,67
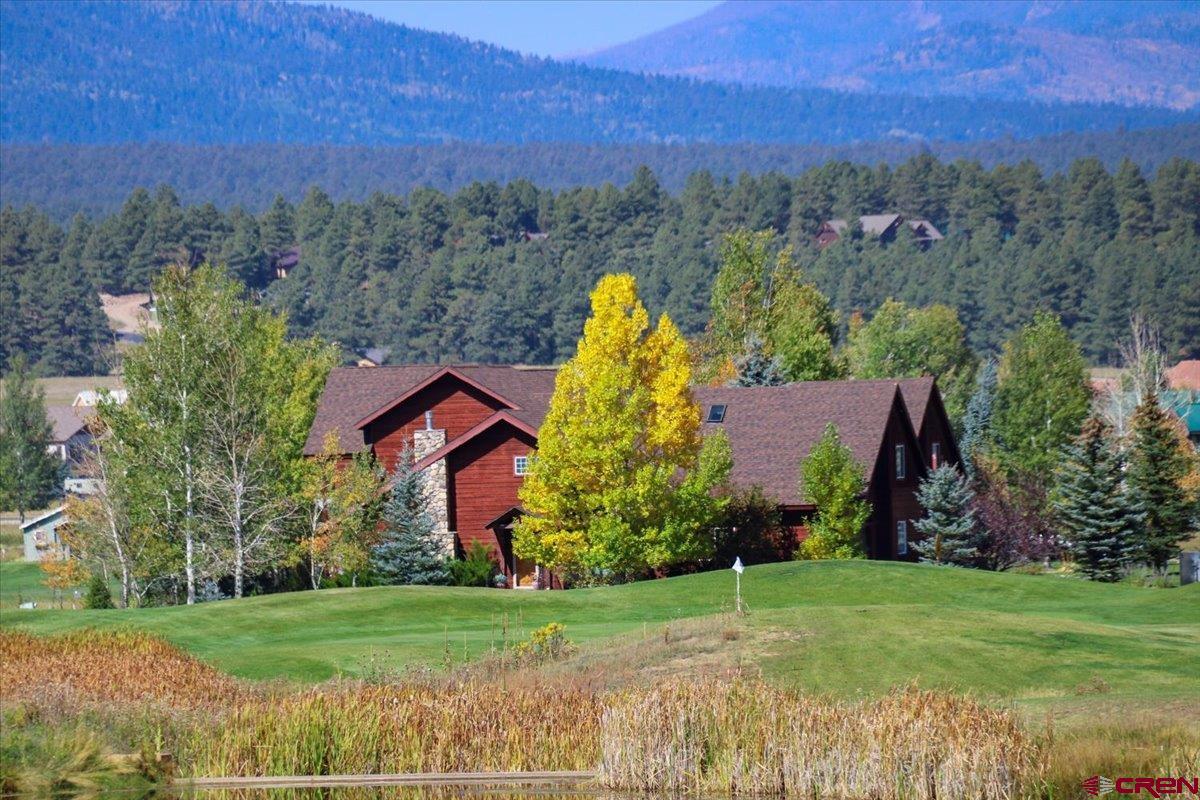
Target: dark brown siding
935,428
456,409
482,484
892,498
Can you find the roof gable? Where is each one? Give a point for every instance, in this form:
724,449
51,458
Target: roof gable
441,374
355,394
499,418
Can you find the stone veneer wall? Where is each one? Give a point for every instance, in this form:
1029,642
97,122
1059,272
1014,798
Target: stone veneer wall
434,486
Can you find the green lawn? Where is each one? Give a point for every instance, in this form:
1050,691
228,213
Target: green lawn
21,581
832,627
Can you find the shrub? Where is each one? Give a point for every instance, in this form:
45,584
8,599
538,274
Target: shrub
751,528
475,568
547,643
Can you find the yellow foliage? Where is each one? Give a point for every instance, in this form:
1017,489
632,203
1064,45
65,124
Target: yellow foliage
621,428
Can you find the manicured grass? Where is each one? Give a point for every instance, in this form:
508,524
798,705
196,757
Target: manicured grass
831,627
21,581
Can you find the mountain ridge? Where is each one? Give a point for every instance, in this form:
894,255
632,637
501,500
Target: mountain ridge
1144,53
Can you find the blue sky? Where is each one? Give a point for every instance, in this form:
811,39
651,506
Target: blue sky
541,27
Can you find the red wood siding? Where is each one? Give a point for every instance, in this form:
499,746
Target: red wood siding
482,485
456,409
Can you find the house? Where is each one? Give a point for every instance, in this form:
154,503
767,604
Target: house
924,233
284,261
371,356
40,534
884,227
473,427
70,442
771,429
470,427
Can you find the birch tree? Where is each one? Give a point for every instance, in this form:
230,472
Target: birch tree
244,511
167,378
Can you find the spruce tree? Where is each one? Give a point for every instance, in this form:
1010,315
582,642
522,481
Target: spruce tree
950,533
756,367
1158,464
977,421
409,552
1095,512
29,476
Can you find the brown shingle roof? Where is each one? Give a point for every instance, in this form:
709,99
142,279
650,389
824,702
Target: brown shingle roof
66,421
352,393
772,428
917,393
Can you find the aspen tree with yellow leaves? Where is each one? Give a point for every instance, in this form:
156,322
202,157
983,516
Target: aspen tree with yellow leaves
621,482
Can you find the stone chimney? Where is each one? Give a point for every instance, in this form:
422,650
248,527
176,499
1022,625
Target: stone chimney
434,484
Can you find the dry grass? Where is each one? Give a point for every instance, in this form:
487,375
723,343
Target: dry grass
723,733
108,667
62,391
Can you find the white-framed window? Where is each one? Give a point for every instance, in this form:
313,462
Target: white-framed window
520,465
902,537
901,467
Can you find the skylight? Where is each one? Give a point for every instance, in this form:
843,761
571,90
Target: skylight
716,413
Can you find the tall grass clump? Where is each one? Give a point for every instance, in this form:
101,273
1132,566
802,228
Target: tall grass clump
356,728
747,738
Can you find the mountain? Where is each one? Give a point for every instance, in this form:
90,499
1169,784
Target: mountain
224,73
1143,53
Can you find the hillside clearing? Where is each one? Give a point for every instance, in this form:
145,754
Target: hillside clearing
841,628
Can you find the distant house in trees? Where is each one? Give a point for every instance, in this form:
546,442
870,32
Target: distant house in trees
71,442
473,429
534,236
284,261
371,356
39,536
884,227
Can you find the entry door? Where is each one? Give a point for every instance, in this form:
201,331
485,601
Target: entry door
524,573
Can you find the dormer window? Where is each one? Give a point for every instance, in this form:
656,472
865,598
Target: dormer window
716,413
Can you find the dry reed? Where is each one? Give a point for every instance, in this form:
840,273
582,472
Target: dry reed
745,737
355,728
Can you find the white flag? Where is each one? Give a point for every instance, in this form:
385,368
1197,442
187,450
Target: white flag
737,566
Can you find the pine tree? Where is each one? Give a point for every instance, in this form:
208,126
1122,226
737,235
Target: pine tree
756,368
1157,467
29,476
977,421
98,594
408,552
950,533
1097,516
